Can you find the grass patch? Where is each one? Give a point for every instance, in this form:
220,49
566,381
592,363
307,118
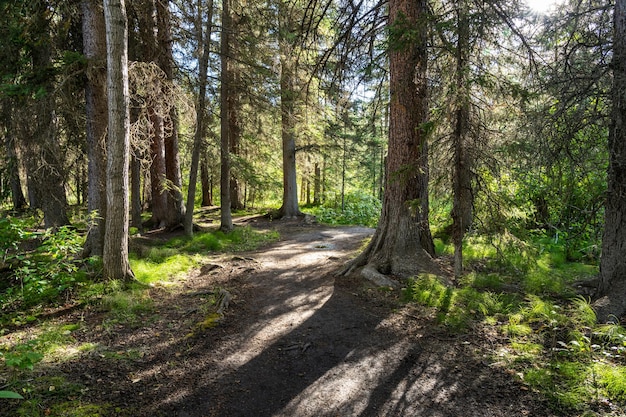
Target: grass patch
457,307
161,269
128,306
239,240
553,343
166,262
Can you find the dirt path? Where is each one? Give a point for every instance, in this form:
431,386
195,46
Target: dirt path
296,341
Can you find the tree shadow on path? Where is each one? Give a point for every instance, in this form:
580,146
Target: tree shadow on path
312,348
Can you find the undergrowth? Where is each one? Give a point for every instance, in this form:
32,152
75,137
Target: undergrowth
551,339
359,209
42,270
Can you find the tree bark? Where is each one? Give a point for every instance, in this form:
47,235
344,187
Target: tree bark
115,259
158,169
17,195
402,244
317,185
461,172
43,164
611,304
175,205
234,119
135,192
94,48
203,40
42,157
206,180
225,108
288,100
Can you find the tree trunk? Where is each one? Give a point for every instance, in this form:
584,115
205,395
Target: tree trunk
43,163
225,109
17,195
175,204
288,101
206,180
402,244
612,291
158,171
203,40
461,172
234,128
317,185
94,48
115,260
135,192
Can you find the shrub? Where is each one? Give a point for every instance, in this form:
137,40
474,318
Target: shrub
359,209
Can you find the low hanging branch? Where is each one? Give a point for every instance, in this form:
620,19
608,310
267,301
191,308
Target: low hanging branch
152,91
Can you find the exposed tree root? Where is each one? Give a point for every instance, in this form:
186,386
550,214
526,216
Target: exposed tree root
370,273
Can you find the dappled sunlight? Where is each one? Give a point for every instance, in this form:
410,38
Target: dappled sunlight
302,307
345,388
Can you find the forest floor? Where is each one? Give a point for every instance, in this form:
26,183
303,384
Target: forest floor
294,340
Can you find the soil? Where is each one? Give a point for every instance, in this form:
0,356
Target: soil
294,340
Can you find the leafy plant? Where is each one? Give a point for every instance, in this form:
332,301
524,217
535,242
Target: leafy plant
359,209
22,357
10,395
44,273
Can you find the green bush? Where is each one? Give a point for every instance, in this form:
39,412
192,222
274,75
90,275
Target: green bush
359,209
44,273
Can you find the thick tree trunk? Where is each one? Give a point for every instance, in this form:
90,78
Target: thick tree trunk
225,109
115,259
94,48
402,244
612,291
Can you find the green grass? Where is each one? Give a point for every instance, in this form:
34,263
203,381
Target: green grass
169,261
128,306
167,269
240,239
522,291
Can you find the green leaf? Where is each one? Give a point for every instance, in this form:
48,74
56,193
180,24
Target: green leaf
11,394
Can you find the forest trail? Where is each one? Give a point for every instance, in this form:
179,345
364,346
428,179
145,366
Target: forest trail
297,341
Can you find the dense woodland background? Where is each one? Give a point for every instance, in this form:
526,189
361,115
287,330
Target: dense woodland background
465,121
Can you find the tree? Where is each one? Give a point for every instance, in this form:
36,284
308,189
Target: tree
153,98
175,205
290,90
94,49
115,258
19,201
612,290
402,244
226,107
43,159
203,35
461,168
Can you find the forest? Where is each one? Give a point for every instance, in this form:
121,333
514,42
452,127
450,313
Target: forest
436,185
